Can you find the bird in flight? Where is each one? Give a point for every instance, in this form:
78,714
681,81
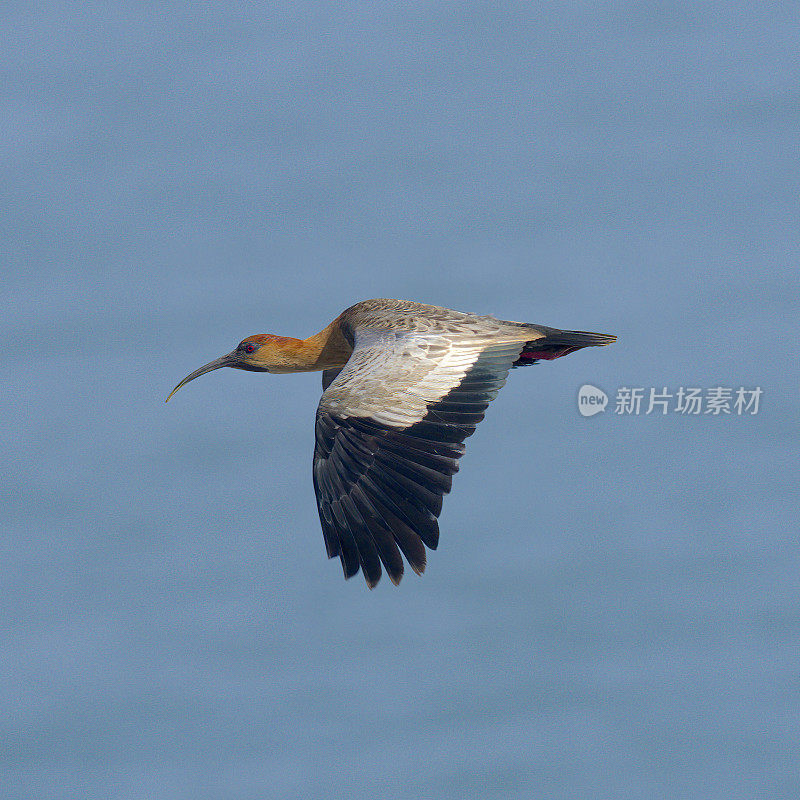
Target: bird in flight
403,385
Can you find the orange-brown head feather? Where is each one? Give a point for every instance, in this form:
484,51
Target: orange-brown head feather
264,352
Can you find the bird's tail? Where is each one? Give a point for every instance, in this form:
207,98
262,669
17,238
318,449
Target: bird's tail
554,343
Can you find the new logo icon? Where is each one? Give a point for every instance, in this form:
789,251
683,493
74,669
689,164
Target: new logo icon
591,400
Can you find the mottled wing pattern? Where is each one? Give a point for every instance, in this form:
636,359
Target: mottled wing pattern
389,432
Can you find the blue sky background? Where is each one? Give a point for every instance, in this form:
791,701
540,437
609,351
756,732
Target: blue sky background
613,610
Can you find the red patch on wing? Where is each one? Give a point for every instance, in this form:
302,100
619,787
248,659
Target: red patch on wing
547,355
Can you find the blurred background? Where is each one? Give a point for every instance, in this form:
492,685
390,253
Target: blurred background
613,609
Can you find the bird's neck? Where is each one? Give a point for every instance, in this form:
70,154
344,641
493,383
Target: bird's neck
323,350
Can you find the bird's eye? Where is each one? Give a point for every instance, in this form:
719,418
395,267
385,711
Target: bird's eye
249,347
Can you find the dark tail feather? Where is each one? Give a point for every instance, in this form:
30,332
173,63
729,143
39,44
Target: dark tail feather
556,343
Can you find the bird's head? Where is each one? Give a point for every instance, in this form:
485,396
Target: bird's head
261,352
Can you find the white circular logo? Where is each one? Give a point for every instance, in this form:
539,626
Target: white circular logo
591,400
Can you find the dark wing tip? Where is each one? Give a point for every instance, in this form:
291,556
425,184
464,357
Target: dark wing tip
396,577
372,581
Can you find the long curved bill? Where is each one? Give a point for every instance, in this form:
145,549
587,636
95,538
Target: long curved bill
229,360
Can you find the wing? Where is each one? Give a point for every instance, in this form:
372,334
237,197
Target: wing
389,432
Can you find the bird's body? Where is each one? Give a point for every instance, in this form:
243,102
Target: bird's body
403,385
